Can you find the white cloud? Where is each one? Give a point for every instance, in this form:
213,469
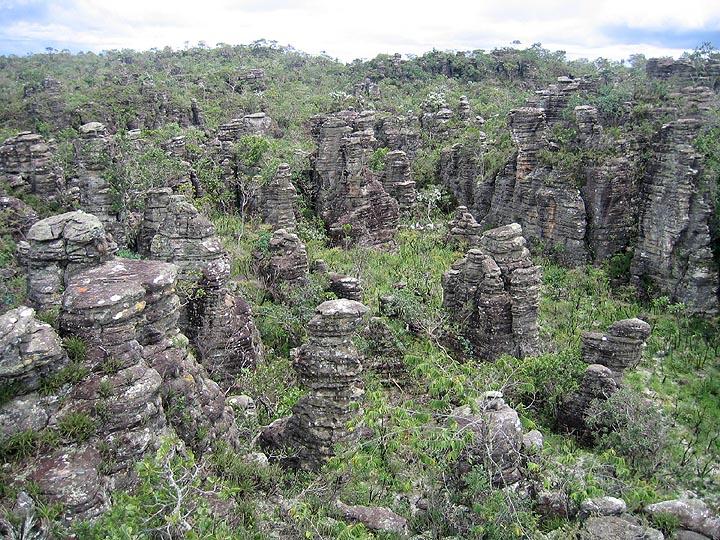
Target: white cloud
363,29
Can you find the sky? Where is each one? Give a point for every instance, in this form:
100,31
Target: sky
364,28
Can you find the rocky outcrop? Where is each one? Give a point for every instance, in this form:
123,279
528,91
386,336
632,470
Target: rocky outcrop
460,171
692,514
341,285
217,321
27,167
463,230
493,293
284,266
673,253
349,198
617,528
30,351
58,247
279,200
253,80
620,348
610,193
17,217
375,518
497,443
94,154
127,313
385,352
396,180
398,133
608,354
329,367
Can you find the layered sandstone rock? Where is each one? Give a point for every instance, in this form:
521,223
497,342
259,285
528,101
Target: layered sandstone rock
463,229
493,293
127,313
279,200
385,352
329,366
26,166
217,321
673,250
397,181
608,354
253,80
30,351
545,201
350,199
460,171
497,444
58,247
94,153
398,133
284,266
343,286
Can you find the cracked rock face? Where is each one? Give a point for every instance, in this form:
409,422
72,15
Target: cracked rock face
284,266
58,247
498,438
608,354
396,180
26,166
463,229
329,366
398,133
93,154
217,321
279,200
673,251
617,528
127,312
349,198
493,293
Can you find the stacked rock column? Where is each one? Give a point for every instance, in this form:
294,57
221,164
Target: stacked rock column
330,367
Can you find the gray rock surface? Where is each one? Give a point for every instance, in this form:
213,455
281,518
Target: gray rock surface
673,248
284,265
279,200
58,247
27,166
329,366
617,528
692,513
375,518
493,293
347,195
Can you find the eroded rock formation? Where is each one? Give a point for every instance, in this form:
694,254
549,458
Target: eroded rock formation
463,229
27,166
58,247
94,153
284,266
279,200
329,367
673,252
127,312
217,321
493,294
350,199
608,354
498,439
397,181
